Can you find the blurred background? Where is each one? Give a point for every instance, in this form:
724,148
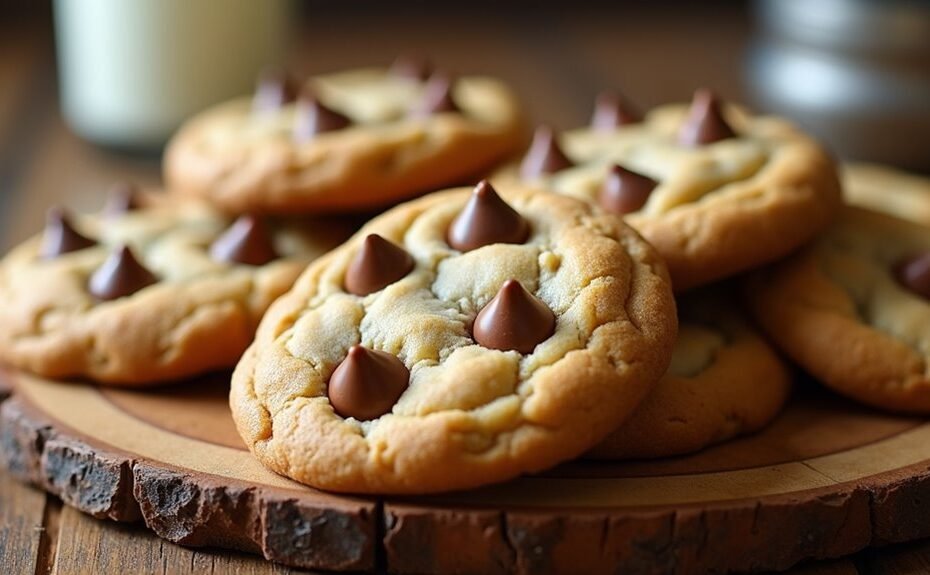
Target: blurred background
90,89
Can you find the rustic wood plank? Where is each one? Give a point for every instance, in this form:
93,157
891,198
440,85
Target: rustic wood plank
904,559
90,546
48,543
21,511
836,567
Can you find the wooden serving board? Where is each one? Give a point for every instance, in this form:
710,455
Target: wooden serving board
827,479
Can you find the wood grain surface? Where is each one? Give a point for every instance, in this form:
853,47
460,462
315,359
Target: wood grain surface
557,64
130,456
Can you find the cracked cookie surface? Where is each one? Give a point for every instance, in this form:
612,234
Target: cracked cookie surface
470,415
248,160
843,310
716,209
191,313
724,381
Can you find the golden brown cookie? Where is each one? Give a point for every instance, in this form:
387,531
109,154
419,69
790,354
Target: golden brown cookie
853,309
716,190
138,295
348,141
724,381
505,336
889,190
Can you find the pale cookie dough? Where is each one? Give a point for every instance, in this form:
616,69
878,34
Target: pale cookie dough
720,208
244,160
889,190
724,381
200,314
471,415
839,310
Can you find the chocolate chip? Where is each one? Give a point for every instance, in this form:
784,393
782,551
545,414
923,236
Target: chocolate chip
367,383
314,118
436,98
412,67
486,219
625,191
705,123
247,241
60,237
611,110
377,264
275,89
120,275
514,320
121,198
544,156
914,274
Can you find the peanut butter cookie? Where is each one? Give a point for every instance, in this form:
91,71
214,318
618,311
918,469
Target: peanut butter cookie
716,190
457,340
348,142
149,290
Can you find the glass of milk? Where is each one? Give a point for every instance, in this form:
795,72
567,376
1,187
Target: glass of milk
132,70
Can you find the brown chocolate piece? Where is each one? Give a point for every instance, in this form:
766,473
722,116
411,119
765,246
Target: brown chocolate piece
275,89
367,383
611,110
705,123
914,274
412,67
544,156
121,198
377,264
314,118
60,237
120,275
625,191
247,241
514,320
436,98
486,219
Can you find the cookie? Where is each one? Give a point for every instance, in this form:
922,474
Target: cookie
457,340
853,309
716,190
888,190
346,142
148,290
724,381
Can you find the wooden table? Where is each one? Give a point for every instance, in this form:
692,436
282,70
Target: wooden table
556,64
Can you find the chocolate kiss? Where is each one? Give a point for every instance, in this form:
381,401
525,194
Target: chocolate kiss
123,197
625,191
367,383
914,274
120,275
314,118
486,219
60,237
437,97
247,241
705,123
377,264
514,320
544,156
412,67
611,110
275,89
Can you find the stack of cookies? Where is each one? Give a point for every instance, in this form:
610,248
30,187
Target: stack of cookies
629,289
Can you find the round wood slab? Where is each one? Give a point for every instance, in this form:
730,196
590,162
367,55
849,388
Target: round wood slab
827,479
